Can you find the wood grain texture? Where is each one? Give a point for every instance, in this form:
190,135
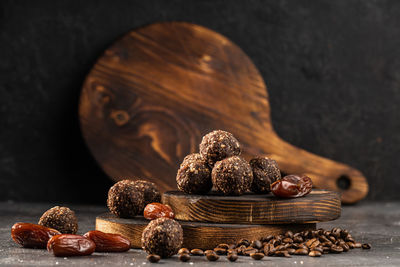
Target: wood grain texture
155,92
318,206
196,234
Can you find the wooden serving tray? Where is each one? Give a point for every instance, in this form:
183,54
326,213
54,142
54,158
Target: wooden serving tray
196,234
318,206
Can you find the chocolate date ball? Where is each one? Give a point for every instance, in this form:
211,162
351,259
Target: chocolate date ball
60,218
194,175
125,199
265,172
232,176
162,236
218,145
150,191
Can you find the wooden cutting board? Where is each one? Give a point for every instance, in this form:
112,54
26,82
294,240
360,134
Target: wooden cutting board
155,92
196,234
318,206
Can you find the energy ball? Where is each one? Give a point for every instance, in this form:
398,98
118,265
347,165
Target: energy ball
162,236
150,192
217,145
265,172
125,199
60,218
232,176
194,175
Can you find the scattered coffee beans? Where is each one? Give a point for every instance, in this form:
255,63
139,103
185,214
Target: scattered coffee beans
212,256
184,257
257,256
314,253
197,252
153,258
232,257
366,246
183,251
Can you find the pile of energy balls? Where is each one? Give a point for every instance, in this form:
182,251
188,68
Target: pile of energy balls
219,165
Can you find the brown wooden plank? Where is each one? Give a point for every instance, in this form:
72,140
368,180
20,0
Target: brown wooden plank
196,234
318,206
156,91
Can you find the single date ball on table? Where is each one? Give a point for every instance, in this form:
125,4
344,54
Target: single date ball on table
218,145
162,236
125,199
60,218
150,191
232,176
265,172
194,175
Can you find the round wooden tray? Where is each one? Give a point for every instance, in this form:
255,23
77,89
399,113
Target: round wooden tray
318,206
196,234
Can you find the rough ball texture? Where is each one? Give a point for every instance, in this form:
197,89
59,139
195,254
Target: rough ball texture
194,175
125,199
162,236
265,172
150,192
232,176
217,145
60,218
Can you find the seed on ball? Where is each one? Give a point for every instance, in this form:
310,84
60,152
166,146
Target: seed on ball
194,175
162,236
60,218
218,145
125,199
232,176
265,172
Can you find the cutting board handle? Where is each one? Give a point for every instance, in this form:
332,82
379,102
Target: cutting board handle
325,173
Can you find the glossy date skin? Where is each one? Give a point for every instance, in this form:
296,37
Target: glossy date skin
292,186
106,242
157,210
31,235
67,245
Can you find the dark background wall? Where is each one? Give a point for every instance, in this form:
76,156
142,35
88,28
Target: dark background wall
332,69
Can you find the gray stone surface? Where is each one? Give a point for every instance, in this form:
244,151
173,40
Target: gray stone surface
375,223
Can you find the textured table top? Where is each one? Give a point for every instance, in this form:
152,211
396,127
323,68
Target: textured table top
375,223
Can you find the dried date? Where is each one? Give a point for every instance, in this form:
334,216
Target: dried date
157,210
67,245
292,186
106,242
31,235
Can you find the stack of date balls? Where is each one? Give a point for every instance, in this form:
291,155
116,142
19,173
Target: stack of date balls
219,166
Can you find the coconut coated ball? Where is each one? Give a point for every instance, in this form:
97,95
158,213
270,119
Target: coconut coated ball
232,176
125,199
194,175
218,145
162,236
265,172
60,218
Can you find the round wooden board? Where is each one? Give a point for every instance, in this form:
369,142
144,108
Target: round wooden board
196,234
155,92
317,206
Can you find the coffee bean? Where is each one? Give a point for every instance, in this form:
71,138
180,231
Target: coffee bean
332,239
287,240
310,242
282,253
256,244
297,239
336,249
224,246
315,244
249,251
345,247
350,244
267,238
289,234
301,251
241,249
184,257
357,245
257,256
220,251
366,246
326,249
212,256
244,242
318,249
290,250
208,251
153,258
232,257
183,251
230,251
315,253
197,252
